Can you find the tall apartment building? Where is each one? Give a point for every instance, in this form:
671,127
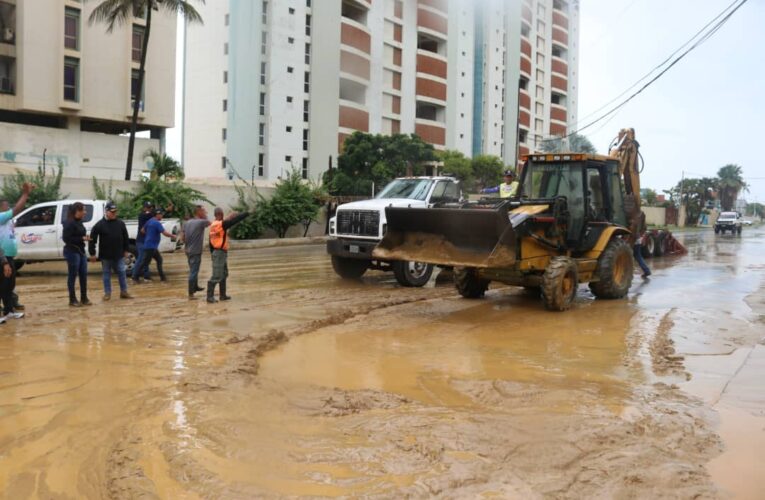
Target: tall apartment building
66,87
275,85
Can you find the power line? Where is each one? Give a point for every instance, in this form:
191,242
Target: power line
706,36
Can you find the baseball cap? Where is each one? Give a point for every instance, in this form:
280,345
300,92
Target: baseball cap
510,173
110,207
147,204
159,211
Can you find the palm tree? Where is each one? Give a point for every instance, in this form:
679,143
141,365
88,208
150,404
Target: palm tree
119,12
731,183
576,144
163,166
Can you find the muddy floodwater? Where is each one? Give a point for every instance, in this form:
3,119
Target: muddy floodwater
308,385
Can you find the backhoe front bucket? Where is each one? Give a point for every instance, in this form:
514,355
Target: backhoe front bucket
449,237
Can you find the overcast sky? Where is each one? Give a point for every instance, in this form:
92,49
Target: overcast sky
707,111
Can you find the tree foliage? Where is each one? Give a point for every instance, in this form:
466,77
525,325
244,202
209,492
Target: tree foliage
488,170
730,183
371,160
460,166
293,202
163,166
574,143
47,187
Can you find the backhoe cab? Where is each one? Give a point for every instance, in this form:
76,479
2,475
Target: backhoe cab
567,226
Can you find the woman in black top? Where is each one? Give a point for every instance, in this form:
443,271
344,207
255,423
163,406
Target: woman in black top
74,238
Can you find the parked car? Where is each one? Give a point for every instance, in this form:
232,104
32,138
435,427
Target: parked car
728,221
359,226
39,231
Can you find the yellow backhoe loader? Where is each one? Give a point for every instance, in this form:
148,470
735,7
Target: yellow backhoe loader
569,224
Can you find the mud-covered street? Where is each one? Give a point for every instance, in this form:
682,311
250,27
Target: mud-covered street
307,385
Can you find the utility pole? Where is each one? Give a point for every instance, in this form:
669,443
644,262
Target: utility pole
681,212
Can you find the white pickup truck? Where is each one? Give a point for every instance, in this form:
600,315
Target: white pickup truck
359,226
39,231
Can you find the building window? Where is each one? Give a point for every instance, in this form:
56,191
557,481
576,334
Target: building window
525,30
289,129
263,42
262,134
223,163
262,73
290,40
225,105
307,82
138,32
522,136
292,10
289,98
308,25
225,49
290,69
305,168
134,77
288,159
226,20
308,3
72,28
262,103
523,83
225,77
305,139
308,53
264,17
224,135
260,171
71,79
305,111
261,159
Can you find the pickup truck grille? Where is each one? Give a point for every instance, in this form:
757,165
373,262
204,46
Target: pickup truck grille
358,222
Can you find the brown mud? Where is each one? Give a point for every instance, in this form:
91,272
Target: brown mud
305,385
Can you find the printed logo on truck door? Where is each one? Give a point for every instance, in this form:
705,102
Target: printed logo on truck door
30,238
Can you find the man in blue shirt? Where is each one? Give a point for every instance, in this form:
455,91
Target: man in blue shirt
143,218
153,232
10,249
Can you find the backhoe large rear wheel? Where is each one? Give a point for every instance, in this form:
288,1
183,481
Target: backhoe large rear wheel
559,284
468,283
350,269
614,271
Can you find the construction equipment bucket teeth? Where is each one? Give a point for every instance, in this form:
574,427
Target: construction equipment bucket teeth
449,237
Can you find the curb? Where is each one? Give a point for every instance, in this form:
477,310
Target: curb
278,242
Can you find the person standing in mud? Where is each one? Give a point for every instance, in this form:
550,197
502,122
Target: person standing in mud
143,218
9,247
636,240
6,292
192,235
154,232
74,237
110,233
219,246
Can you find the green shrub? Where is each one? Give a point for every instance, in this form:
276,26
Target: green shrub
47,187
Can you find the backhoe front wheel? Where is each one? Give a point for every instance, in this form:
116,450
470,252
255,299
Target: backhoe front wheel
614,271
559,284
468,283
412,273
350,269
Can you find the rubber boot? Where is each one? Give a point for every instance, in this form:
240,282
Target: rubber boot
211,293
192,290
198,288
223,295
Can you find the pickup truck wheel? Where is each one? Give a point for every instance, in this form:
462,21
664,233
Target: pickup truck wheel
717,230
648,247
130,259
660,248
559,284
412,274
614,271
468,284
349,269
738,230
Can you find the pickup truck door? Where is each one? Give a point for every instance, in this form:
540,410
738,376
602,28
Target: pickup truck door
38,232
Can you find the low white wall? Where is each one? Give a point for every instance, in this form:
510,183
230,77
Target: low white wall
655,216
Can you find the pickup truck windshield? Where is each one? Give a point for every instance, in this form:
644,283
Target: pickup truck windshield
728,216
412,189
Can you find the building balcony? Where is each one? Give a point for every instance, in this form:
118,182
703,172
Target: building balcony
560,20
524,100
559,66
440,5
526,13
557,129
353,116
431,63
559,83
433,22
526,48
558,113
560,36
431,131
526,66
524,118
431,89
354,65
355,35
